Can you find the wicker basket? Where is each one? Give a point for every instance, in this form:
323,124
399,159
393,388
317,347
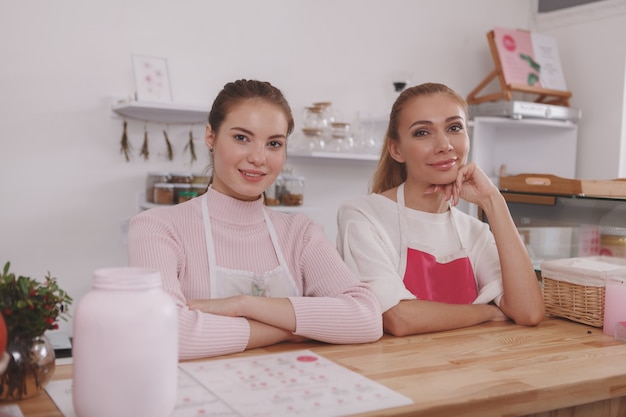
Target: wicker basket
573,288
581,303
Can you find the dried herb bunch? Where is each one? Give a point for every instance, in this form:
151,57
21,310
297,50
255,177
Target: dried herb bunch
30,307
168,145
145,152
191,147
125,148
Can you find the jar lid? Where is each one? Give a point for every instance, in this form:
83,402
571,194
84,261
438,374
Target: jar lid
181,174
163,185
323,104
119,278
181,185
312,131
188,194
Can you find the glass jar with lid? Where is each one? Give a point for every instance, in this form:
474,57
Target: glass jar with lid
163,193
293,190
613,241
199,188
329,112
183,192
273,193
341,139
314,118
153,178
200,179
313,139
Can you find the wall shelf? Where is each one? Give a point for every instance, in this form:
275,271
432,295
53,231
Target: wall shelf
167,113
333,155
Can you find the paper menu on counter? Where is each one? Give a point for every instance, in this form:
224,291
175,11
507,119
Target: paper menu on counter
193,400
298,383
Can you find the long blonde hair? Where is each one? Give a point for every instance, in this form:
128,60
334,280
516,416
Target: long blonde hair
389,172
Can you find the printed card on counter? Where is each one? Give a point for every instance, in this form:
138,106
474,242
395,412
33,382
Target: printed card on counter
293,383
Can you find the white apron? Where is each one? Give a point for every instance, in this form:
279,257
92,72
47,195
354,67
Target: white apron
277,283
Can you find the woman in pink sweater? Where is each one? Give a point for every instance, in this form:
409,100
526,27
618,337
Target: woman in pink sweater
242,275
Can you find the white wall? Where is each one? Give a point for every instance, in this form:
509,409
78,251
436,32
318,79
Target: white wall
66,188
593,53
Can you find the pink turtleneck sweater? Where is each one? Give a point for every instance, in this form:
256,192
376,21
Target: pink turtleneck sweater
336,306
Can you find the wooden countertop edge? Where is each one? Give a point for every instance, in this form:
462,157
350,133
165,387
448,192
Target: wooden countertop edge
527,400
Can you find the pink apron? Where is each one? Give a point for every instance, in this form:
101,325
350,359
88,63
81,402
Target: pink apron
443,277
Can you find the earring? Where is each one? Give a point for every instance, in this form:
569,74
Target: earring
211,149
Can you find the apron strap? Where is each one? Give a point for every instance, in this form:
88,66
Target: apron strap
210,249
208,234
402,219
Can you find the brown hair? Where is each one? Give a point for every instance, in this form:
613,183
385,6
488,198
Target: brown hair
237,91
390,173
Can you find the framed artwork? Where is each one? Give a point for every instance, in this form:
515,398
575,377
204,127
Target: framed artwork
152,82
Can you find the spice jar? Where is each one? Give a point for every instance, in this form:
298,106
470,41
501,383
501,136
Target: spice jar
163,193
613,241
199,179
293,191
153,178
199,187
125,340
272,194
182,193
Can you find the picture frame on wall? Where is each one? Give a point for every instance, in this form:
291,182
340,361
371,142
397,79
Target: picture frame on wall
152,82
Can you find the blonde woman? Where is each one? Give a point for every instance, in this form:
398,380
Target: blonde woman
432,266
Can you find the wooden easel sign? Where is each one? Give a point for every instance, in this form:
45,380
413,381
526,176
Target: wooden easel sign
525,62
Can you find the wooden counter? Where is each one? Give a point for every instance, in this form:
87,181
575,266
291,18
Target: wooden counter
494,369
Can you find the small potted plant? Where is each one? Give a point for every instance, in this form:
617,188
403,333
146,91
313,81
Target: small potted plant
29,309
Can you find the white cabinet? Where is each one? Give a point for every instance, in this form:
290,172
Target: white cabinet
509,146
524,146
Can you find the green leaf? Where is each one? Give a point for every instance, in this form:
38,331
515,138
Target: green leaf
23,285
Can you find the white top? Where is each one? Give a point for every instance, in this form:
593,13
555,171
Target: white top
369,240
